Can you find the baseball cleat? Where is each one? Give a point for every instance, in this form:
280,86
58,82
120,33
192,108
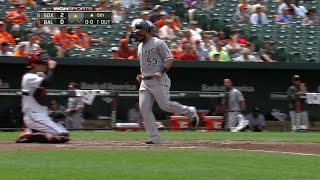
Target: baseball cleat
150,142
195,120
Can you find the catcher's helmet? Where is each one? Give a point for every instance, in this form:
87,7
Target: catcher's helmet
143,25
37,56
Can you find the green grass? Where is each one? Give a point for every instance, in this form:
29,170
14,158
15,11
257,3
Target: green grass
218,136
161,164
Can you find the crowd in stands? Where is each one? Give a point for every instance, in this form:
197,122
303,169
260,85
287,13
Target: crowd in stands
186,39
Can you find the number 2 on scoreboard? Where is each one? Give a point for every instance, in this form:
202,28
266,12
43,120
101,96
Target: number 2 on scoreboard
62,15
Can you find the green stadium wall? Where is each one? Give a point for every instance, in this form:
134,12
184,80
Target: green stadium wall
256,80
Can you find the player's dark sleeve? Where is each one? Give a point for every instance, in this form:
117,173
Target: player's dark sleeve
48,79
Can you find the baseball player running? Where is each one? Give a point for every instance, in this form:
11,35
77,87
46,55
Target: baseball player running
39,126
155,59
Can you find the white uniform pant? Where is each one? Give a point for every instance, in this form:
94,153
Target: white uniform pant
40,121
74,121
299,120
151,90
233,119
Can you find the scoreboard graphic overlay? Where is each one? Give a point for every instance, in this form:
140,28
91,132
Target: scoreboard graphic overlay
74,18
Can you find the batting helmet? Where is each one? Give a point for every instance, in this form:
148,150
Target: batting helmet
143,25
296,78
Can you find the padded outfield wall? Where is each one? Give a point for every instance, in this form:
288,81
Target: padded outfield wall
256,80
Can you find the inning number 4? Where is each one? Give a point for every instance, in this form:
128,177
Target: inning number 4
152,61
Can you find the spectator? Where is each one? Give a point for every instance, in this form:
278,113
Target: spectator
29,3
74,109
125,51
311,19
135,55
103,6
203,54
176,23
241,41
216,56
144,16
223,55
187,38
252,49
206,43
234,48
147,5
259,18
134,115
175,51
246,57
118,12
155,16
267,54
130,36
29,45
130,3
166,6
221,36
115,53
286,4
208,5
256,120
4,35
82,40
63,42
285,18
258,3
242,17
190,6
299,9
188,53
4,49
17,17
51,30
161,22
245,4
195,30
166,32
20,51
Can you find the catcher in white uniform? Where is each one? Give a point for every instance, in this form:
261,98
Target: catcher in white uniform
40,127
155,59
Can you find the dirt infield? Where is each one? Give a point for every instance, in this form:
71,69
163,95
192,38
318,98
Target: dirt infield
277,147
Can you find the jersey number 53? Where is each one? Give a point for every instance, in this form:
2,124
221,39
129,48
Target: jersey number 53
152,61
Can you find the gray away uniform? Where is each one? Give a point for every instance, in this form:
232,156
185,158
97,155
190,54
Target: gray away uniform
232,104
299,121
152,56
75,120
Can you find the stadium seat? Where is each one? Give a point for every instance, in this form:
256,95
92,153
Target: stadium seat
295,57
281,53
